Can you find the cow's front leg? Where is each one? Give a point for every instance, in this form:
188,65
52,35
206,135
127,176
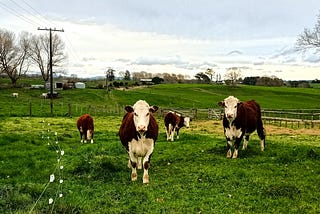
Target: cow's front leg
229,144
146,165
177,132
133,163
236,147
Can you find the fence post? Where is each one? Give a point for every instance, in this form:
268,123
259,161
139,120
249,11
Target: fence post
30,109
69,110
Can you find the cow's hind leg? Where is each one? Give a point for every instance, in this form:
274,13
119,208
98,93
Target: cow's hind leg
168,132
245,142
139,163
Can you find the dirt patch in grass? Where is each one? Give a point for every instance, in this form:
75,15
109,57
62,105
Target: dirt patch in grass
215,127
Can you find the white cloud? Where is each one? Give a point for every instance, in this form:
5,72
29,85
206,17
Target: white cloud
176,35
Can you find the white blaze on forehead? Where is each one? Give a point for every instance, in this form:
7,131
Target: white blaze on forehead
141,115
186,121
230,106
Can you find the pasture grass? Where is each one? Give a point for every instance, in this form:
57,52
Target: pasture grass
201,96
189,175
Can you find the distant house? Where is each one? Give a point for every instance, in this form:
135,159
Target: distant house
80,85
146,81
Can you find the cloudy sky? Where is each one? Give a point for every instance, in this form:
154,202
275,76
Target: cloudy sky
175,36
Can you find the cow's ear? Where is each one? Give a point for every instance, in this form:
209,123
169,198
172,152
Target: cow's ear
129,109
221,103
239,104
153,109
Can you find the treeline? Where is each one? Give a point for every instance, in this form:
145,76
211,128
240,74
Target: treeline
274,81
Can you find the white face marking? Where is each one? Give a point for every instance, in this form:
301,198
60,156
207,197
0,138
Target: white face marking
230,107
186,121
141,115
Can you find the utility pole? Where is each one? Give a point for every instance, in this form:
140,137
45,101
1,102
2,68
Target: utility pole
50,64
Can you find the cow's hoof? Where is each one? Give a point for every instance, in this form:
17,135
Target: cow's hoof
229,154
146,179
91,141
134,176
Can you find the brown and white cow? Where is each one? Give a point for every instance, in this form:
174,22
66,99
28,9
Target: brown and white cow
174,122
241,119
138,134
86,128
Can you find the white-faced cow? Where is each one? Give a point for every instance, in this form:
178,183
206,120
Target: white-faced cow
174,122
241,119
138,134
86,128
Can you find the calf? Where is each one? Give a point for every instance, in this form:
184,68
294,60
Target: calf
86,128
241,119
174,122
138,134
44,95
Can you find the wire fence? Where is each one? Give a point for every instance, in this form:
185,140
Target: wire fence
307,118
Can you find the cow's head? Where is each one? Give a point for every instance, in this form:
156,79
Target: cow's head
186,121
141,111
230,105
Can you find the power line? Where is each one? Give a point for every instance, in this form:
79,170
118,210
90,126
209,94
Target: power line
15,13
36,12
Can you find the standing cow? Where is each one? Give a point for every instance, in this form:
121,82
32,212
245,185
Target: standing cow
241,119
174,122
138,134
86,128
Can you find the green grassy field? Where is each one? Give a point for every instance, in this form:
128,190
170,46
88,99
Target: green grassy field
166,95
191,175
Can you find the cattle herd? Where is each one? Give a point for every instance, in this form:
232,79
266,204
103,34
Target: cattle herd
139,130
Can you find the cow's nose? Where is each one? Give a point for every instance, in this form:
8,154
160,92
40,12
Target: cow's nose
142,128
229,115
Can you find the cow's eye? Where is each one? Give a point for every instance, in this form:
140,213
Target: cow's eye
147,114
135,114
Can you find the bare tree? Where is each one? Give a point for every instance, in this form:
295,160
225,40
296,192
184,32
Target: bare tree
40,53
210,72
232,75
310,38
14,54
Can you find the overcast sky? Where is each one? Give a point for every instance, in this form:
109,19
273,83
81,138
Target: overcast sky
175,36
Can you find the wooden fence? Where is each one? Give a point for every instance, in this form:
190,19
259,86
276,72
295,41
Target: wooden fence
308,118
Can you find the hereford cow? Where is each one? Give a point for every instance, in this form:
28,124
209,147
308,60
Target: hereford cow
86,128
241,119
174,122
138,134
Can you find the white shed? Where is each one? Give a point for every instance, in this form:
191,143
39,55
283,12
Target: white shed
80,85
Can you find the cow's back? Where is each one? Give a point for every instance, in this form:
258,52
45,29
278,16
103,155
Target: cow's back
171,118
248,115
86,122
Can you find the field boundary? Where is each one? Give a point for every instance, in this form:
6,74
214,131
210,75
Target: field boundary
295,118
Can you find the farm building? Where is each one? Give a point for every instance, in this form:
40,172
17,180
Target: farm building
80,85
